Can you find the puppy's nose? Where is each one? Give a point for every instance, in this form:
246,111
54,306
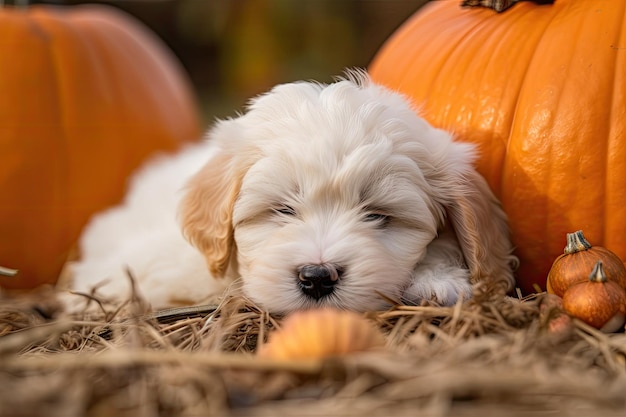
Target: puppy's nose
318,280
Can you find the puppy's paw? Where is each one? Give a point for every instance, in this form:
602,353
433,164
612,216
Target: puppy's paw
442,284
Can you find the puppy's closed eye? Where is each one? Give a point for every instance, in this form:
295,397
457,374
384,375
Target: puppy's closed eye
381,219
285,210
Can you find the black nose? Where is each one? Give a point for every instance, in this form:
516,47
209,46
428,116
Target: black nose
317,281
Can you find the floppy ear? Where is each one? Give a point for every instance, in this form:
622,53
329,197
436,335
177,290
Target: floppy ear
206,211
482,231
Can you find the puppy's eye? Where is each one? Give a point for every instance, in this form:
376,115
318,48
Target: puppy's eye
285,210
380,218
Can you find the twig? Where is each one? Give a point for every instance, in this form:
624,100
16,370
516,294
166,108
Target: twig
8,272
14,342
132,357
171,315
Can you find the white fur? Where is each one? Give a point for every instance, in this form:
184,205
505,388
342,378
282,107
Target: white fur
292,182
142,236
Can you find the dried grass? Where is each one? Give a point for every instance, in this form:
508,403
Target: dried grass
490,356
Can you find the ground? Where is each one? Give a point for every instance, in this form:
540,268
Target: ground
491,356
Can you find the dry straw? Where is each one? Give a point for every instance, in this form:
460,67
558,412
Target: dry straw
490,356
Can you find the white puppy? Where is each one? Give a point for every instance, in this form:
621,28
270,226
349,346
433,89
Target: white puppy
320,195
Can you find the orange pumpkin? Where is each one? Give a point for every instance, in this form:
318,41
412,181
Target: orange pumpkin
86,94
542,90
578,258
599,302
322,332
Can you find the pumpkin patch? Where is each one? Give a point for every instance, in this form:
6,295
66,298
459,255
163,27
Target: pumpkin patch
541,89
86,94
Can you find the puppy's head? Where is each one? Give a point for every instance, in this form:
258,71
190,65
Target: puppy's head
326,195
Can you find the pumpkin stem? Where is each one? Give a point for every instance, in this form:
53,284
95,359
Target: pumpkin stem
497,5
597,273
576,242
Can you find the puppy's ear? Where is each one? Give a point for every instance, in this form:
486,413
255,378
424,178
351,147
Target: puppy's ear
482,231
206,211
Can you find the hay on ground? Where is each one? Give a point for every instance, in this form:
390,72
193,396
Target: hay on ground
489,356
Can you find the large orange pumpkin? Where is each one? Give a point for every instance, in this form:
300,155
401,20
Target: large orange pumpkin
86,94
542,90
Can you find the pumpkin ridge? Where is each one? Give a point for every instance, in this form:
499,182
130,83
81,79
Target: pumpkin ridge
58,154
597,206
507,165
497,183
50,24
414,67
527,75
524,81
614,137
445,60
601,163
101,42
70,38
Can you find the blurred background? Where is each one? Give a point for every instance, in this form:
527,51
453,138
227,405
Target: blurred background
234,49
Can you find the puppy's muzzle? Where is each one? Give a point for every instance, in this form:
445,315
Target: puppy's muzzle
318,280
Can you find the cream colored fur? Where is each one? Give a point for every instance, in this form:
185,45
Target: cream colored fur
344,174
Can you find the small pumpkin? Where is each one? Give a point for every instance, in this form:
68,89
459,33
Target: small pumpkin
539,89
578,259
319,333
87,94
599,302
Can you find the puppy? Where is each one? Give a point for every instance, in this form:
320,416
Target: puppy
319,195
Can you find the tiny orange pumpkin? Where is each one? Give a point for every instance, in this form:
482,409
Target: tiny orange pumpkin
598,302
319,333
578,259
